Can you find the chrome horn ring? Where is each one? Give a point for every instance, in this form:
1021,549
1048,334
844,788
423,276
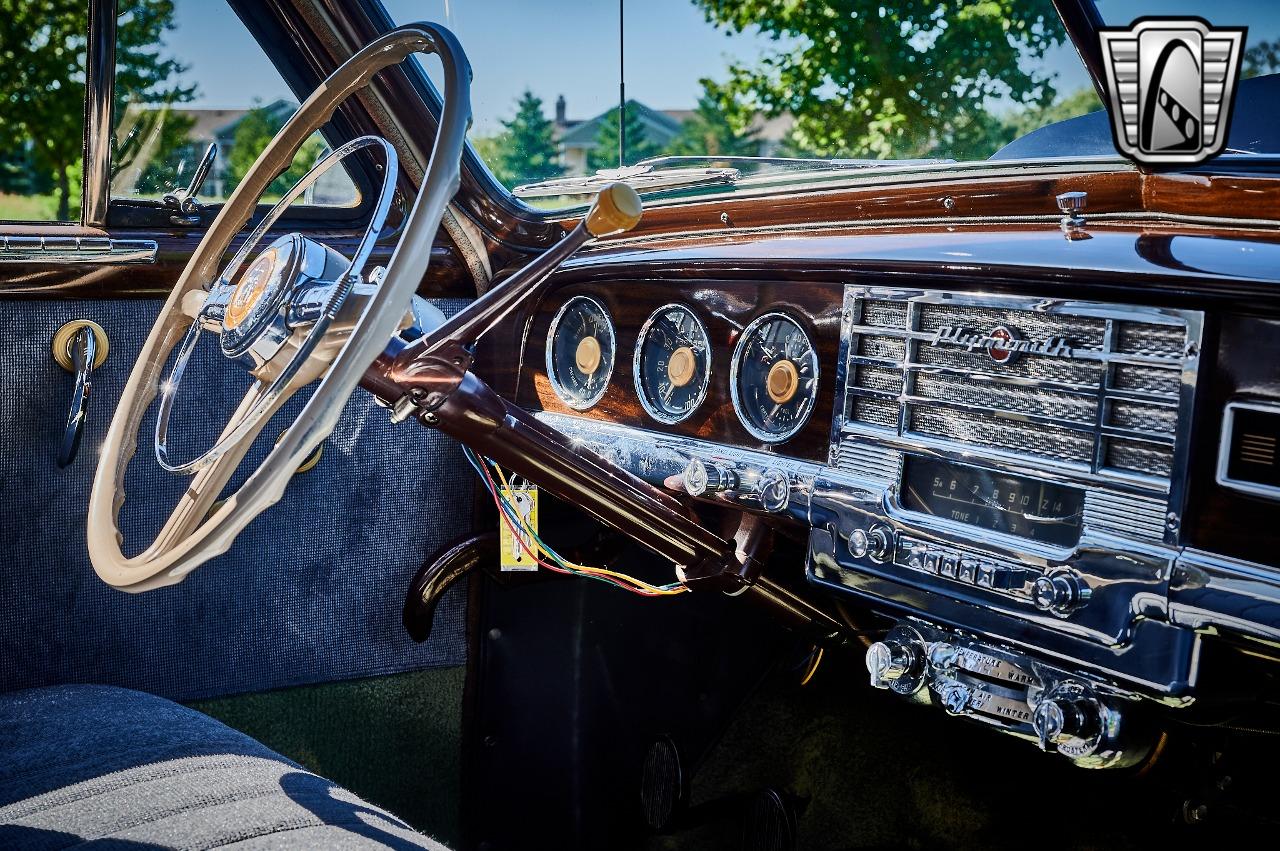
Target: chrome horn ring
260,306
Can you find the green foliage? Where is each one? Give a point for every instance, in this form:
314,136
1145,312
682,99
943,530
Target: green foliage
254,132
42,88
605,153
527,148
1262,58
865,78
716,128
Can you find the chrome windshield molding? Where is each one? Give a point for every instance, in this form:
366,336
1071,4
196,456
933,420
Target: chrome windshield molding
1210,591
92,250
100,77
1222,475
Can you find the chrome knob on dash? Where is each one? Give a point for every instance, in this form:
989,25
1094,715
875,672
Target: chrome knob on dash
873,543
701,479
1061,720
1059,593
888,661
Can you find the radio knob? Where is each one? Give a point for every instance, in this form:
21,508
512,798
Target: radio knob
700,478
1059,593
1056,720
888,661
873,543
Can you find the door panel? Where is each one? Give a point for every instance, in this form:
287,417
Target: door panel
311,592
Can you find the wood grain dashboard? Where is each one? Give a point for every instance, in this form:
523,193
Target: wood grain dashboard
725,308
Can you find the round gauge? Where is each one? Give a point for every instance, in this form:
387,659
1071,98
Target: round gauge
672,364
580,350
775,378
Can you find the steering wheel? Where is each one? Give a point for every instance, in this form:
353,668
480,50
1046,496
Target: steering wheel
299,313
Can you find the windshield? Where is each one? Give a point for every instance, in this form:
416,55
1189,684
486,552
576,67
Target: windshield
563,90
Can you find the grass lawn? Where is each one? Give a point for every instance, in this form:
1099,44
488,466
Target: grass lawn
34,208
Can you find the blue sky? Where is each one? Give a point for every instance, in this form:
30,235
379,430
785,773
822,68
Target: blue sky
570,47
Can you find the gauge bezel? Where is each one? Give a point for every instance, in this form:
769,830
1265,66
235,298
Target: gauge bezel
734,369
562,394
637,356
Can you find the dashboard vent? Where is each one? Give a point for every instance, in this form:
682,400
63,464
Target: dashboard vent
1078,385
1249,456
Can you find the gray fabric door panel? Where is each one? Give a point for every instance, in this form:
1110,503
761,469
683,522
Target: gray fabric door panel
311,592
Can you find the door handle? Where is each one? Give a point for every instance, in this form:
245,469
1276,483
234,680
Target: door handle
80,347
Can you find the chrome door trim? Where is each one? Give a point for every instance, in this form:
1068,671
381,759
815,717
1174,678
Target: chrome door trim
100,76
85,250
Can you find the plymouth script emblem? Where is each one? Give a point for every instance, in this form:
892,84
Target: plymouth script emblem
1001,344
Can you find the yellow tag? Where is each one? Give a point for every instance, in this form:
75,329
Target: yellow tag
524,499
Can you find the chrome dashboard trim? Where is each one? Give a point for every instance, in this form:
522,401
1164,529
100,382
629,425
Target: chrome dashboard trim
1210,591
638,356
1118,483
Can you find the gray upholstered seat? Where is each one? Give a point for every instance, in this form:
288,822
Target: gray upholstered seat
84,763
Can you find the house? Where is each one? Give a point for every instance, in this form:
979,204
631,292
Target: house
577,138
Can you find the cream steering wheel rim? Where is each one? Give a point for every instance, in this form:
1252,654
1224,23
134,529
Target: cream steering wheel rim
192,535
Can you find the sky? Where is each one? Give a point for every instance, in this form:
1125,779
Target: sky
570,48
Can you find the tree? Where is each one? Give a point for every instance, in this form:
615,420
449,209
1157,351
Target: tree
1262,58
42,86
869,78
714,131
527,148
254,132
605,153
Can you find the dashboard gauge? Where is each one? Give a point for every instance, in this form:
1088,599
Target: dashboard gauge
775,378
672,365
580,350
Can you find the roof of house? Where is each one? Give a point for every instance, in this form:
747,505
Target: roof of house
659,127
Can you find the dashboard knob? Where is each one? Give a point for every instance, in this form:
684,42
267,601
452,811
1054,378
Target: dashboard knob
888,661
1056,720
1059,593
774,489
873,543
955,698
700,478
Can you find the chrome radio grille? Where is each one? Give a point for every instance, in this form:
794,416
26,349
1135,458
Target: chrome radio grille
1094,389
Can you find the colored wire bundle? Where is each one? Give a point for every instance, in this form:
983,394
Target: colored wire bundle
554,561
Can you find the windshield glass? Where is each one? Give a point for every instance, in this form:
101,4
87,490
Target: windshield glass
853,86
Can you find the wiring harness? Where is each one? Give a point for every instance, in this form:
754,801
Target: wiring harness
544,555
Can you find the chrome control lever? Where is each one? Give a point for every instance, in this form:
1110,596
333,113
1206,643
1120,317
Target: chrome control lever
183,200
79,347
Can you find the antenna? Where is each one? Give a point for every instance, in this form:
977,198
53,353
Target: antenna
622,85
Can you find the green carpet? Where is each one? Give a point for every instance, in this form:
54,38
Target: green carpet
394,740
